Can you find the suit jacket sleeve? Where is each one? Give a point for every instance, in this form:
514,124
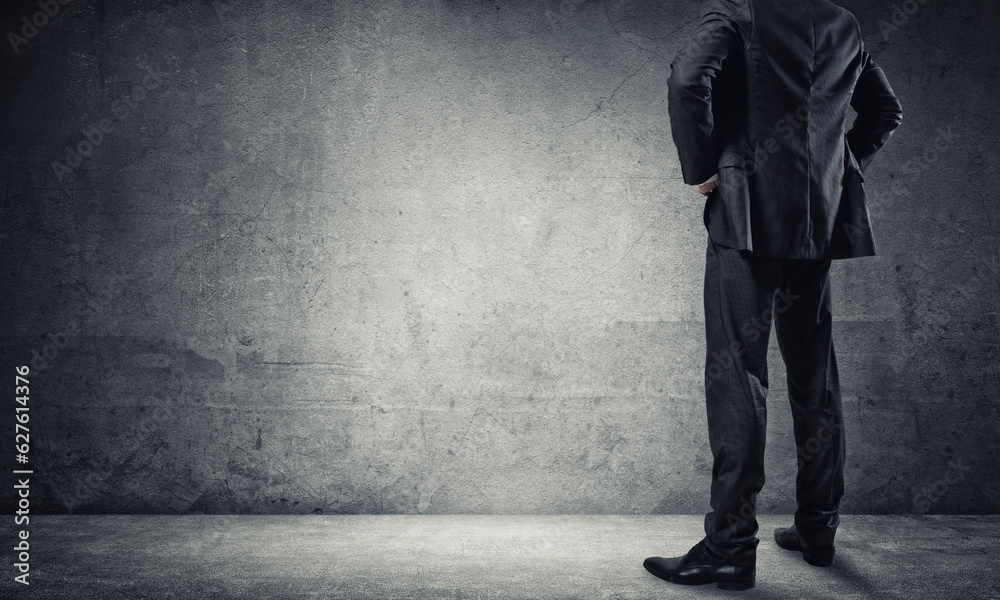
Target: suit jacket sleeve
689,88
879,112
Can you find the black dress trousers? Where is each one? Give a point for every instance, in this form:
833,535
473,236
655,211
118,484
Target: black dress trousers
744,295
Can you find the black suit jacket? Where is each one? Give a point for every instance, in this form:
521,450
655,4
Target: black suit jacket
760,95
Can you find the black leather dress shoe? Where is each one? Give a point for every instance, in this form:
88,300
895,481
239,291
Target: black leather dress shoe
698,567
819,555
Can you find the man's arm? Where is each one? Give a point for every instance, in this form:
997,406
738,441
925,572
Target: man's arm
879,112
689,96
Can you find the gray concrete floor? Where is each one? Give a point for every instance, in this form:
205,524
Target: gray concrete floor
479,556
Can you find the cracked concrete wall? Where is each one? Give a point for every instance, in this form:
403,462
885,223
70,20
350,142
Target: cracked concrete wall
436,257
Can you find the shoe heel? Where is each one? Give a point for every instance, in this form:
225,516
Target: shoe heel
736,585
818,561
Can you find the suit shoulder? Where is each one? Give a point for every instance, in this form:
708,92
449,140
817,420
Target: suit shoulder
847,17
853,20
737,11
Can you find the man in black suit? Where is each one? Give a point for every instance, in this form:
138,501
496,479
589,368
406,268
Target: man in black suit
758,104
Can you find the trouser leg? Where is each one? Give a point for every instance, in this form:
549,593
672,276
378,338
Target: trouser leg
803,323
739,295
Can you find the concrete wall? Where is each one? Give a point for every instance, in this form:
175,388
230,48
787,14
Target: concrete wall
436,257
